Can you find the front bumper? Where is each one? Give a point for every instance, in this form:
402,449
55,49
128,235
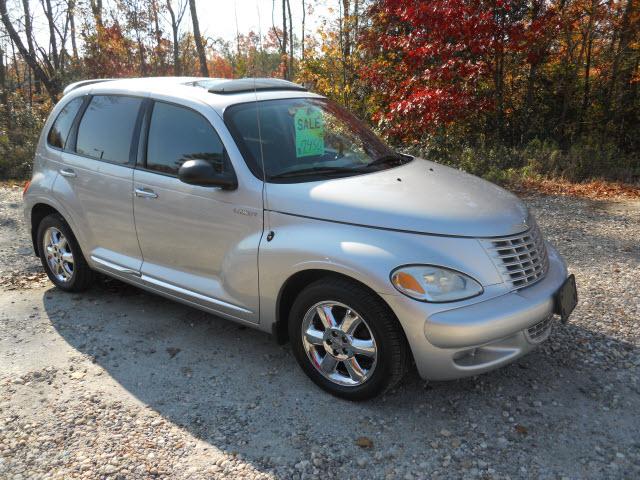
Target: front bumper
482,336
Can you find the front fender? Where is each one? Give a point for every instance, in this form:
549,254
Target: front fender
365,254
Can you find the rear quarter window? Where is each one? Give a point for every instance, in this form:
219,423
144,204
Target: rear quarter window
107,127
57,136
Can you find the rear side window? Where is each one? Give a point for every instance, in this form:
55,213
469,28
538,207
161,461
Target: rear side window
57,136
107,127
177,134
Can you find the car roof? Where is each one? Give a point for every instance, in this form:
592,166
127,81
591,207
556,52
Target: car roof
219,93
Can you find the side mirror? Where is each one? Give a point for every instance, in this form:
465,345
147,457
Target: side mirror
202,173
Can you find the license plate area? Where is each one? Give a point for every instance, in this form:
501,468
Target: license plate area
566,298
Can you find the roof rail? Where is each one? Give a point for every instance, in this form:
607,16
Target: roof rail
82,83
249,85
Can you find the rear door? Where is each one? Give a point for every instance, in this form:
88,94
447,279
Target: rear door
200,244
96,181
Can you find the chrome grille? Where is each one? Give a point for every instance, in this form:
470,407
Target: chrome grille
539,331
521,259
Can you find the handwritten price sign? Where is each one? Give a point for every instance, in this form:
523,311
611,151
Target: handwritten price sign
309,127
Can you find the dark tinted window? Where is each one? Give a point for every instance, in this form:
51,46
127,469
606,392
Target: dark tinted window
60,128
178,134
107,127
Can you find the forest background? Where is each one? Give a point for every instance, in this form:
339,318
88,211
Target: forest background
507,89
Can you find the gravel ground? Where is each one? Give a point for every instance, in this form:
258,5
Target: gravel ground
118,383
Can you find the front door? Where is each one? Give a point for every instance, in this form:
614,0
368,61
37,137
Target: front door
199,244
96,182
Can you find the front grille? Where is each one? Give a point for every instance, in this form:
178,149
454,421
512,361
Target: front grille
521,259
539,331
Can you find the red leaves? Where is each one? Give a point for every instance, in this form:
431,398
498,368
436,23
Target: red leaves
434,61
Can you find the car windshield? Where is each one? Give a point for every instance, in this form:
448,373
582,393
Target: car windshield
303,139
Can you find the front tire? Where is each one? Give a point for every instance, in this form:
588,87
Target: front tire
61,256
347,340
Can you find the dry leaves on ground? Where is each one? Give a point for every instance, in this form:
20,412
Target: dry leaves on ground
364,442
595,189
21,281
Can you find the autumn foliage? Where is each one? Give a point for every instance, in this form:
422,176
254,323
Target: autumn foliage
431,59
535,88
495,77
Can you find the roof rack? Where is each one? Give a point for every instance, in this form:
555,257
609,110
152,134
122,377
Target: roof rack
82,83
248,85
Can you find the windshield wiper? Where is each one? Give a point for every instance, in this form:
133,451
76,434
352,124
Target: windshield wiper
384,159
313,171
340,170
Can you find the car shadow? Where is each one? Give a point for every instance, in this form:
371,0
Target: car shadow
236,389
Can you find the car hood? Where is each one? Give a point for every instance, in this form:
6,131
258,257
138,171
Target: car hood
419,196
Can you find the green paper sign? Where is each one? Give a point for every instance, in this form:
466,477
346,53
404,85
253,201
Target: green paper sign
309,125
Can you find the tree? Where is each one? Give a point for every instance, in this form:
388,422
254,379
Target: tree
204,71
96,9
53,44
431,62
304,19
108,53
290,56
71,6
28,54
176,19
283,46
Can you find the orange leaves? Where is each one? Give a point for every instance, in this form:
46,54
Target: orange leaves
220,67
596,189
108,53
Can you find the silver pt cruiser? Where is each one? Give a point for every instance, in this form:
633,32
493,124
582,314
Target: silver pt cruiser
266,204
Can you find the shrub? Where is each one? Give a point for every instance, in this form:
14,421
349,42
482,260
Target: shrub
19,133
584,160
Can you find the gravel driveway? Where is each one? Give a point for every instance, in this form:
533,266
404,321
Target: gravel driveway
118,383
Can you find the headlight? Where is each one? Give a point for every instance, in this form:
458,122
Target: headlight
434,284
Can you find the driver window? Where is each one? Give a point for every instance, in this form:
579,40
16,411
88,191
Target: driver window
178,134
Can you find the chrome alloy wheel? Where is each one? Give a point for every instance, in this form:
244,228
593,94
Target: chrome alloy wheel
58,254
339,343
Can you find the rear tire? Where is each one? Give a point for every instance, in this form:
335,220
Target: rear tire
347,340
61,256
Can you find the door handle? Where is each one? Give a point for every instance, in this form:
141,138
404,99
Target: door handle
67,172
145,193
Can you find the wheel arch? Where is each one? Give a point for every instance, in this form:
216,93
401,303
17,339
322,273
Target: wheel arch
38,212
296,283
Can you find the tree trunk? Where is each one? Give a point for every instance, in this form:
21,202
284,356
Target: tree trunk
304,19
177,70
290,40
283,46
96,9
4,94
346,28
533,66
356,19
587,75
72,24
204,71
52,34
143,62
343,37
28,31
273,24
158,35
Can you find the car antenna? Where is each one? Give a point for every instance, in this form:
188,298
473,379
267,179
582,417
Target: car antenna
265,201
